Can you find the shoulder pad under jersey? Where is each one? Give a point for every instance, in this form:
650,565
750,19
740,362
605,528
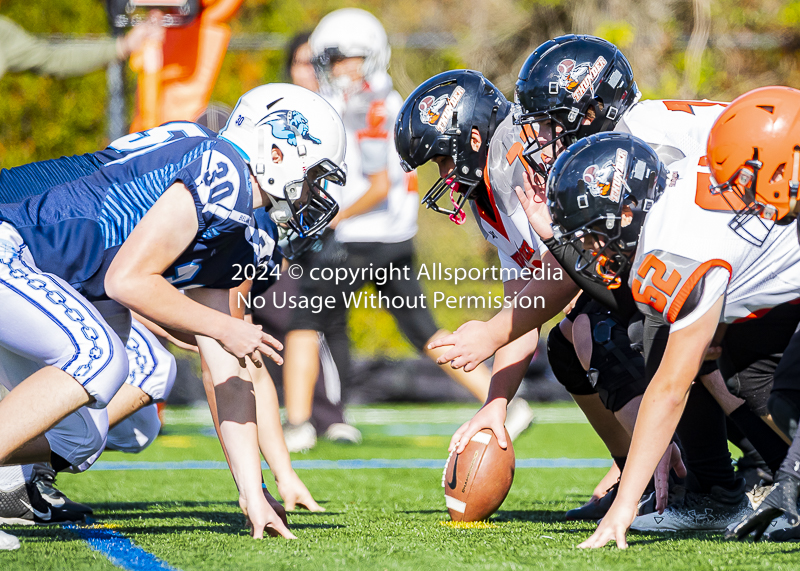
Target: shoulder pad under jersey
505,164
669,286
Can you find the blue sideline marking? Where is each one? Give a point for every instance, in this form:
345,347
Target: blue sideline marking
120,550
370,464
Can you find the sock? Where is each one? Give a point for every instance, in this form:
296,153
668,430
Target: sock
11,477
705,442
766,441
791,465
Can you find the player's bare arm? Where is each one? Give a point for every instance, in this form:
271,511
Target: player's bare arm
476,341
236,410
134,279
508,369
661,409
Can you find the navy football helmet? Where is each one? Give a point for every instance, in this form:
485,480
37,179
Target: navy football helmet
581,84
437,120
598,193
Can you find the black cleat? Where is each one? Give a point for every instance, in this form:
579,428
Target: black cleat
45,479
24,505
782,499
594,509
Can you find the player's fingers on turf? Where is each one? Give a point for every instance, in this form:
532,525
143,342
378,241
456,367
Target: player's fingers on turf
761,527
270,353
310,504
277,526
289,503
622,542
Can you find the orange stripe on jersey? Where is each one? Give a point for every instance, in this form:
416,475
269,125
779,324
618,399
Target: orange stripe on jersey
686,106
688,286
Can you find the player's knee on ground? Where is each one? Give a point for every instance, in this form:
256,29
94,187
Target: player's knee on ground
784,406
77,441
136,432
617,370
566,365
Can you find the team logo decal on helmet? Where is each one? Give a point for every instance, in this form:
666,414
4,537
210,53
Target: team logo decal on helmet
578,78
439,111
288,125
608,179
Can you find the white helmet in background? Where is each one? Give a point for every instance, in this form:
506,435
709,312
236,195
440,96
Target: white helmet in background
345,33
294,142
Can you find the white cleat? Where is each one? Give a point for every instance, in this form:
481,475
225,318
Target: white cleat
8,542
519,417
341,432
300,437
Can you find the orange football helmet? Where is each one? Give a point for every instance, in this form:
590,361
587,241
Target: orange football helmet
754,155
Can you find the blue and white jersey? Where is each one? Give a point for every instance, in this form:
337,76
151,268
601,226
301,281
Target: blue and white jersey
75,228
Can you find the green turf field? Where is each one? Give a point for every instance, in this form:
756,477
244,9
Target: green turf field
376,518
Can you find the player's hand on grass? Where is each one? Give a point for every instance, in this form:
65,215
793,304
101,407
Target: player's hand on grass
670,460
242,339
613,527
294,493
492,416
469,346
534,202
261,517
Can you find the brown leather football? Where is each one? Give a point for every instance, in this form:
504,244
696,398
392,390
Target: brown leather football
478,480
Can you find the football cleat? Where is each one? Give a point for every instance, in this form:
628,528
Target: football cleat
519,417
8,542
692,511
24,505
299,437
780,501
44,477
342,432
594,509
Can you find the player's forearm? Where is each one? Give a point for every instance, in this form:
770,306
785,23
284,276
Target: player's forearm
510,364
377,192
546,301
270,432
662,405
154,298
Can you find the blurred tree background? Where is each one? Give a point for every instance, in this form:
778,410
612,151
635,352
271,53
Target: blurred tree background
715,49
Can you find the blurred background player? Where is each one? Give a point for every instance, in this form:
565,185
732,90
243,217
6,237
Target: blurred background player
377,221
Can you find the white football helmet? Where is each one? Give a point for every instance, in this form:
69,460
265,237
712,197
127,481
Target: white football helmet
304,134
349,32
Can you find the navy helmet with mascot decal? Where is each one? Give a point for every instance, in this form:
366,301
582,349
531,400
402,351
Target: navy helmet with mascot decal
437,120
598,193
294,142
569,80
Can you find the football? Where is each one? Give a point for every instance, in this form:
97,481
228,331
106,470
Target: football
478,480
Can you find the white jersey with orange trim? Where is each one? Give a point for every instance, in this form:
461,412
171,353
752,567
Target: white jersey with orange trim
506,225
674,129
689,256
368,119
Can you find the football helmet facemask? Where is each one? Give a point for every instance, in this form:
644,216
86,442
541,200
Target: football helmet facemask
437,119
598,193
754,156
574,86
294,142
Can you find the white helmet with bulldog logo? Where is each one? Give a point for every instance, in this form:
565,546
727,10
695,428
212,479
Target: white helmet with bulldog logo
294,142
